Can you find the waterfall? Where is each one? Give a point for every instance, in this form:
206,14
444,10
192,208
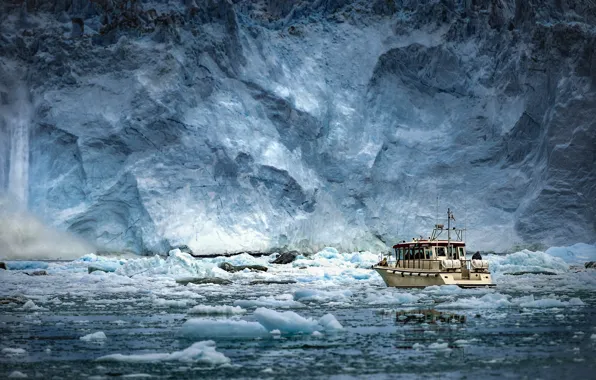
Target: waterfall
14,149
18,172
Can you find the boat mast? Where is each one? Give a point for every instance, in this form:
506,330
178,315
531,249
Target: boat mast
449,230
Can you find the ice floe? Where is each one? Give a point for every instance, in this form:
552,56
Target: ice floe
497,300
322,295
200,352
526,261
289,322
94,337
577,254
228,328
17,375
13,351
30,305
216,310
281,301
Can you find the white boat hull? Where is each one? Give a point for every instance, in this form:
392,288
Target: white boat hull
406,278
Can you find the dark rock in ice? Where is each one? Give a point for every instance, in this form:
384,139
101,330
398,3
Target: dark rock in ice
286,258
545,272
272,282
237,268
184,249
199,281
590,264
78,28
3,265
7,300
37,273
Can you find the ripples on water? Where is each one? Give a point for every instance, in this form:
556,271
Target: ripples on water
536,326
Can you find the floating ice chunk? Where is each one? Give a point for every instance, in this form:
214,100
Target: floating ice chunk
391,297
289,322
576,302
445,289
330,323
94,337
177,264
267,370
269,302
17,375
488,301
438,346
417,346
13,351
214,310
23,265
593,336
160,302
208,328
321,295
497,300
201,352
530,302
286,322
30,305
578,253
461,343
328,253
526,261
317,334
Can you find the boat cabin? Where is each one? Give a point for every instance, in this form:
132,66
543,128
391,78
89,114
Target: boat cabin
433,253
430,250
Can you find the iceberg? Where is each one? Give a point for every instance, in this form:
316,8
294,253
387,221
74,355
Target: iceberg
200,352
222,329
289,322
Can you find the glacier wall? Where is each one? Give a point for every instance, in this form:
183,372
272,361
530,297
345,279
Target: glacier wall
257,125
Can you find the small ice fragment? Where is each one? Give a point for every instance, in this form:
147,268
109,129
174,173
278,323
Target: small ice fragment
17,375
199,352
13,351
275,332
417,346
267,370
30,305
438,346
593,336
576,302
95,337
214,310
317,334
329,322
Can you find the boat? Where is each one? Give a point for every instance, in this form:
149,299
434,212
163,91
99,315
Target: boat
434,261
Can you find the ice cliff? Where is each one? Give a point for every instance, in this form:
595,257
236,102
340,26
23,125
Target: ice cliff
256,125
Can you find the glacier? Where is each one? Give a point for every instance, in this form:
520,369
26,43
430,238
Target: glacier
262,126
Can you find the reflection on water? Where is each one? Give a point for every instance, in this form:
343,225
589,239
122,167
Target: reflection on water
431,316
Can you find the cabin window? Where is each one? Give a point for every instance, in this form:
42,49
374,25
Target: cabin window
461,253
428,253
440,251
401,253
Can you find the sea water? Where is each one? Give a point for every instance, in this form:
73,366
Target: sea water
335,318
